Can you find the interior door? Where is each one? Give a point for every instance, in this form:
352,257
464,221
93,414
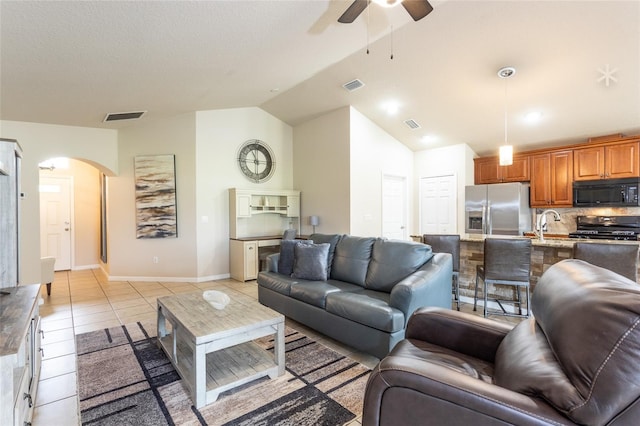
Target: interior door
55,220
438,196
394,207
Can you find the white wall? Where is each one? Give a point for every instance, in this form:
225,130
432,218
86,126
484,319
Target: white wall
39,142
456,160
374,153
219,135
129,257
321,170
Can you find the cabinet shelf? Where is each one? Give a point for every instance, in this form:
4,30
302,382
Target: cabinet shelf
269,209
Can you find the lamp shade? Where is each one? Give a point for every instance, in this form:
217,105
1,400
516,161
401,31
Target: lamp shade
506,155
314,220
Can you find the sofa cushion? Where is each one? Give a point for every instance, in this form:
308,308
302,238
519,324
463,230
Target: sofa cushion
367,307
276,282
590,320
310,261
525,364
416,351
287,255
393,260
332,239
315,292
351,259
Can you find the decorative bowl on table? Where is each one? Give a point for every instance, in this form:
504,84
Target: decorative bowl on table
217,299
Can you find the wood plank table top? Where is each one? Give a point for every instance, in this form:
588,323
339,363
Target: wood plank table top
205,323
212,349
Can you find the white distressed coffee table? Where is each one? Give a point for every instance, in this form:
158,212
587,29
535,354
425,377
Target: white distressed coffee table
212,349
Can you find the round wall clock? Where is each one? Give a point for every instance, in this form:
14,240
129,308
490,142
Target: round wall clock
256,160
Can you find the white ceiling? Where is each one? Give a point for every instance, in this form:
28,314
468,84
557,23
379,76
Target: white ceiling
73,62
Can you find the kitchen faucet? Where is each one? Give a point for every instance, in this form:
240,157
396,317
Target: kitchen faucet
542,221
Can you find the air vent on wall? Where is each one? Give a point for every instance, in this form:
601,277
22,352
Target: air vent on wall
115,116
412,124
353,85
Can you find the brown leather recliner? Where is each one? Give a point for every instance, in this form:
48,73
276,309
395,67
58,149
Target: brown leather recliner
576,361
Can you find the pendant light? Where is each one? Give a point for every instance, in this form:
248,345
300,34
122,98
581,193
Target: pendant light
506,150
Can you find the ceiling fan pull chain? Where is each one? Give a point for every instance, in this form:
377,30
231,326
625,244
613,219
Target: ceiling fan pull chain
391,57
368,27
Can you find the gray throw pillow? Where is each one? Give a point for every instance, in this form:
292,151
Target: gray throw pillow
285,261
310,261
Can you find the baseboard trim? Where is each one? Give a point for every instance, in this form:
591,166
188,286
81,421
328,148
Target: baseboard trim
85,267
169,279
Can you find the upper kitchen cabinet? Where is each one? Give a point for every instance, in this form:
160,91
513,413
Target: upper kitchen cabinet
552,179
611,161
489,170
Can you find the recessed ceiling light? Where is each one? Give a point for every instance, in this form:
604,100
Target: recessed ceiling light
429,139
533,117
391,107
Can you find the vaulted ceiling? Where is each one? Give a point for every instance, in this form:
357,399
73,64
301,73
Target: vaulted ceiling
577,62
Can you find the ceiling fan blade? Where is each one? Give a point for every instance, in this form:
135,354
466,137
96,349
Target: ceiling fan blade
418,9
353,11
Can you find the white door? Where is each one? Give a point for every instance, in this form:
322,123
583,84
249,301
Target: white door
394,207
438,197
55,220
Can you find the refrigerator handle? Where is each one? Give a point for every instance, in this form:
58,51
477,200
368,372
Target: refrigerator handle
484,218
489,224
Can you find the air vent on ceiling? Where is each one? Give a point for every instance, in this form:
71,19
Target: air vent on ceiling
412,124
353,85
115,116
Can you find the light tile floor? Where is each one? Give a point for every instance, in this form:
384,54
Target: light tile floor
83,301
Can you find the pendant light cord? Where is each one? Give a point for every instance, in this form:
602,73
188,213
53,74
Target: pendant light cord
506,82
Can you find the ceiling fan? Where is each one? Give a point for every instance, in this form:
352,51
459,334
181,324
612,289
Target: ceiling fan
418,9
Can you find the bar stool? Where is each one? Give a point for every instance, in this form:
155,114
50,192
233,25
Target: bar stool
447,243
619,258
507,261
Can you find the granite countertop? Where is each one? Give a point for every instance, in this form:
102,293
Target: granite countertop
15,311
549,241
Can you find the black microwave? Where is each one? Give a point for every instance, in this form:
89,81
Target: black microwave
606,192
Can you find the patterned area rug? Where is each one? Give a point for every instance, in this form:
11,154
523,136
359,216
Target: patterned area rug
125,379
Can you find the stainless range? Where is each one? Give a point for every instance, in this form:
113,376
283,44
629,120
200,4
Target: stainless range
607,228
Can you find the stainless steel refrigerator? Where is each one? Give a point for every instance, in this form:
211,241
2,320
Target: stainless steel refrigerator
501,209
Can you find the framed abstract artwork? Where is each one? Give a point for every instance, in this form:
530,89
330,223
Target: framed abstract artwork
155,180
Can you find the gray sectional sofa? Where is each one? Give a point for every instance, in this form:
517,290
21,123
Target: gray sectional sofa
360,291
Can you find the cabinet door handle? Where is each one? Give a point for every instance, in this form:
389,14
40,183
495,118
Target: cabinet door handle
42,334
250,248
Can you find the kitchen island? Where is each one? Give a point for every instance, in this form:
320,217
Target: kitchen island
543,254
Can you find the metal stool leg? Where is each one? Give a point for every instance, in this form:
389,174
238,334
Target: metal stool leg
475,297
457,290
486,291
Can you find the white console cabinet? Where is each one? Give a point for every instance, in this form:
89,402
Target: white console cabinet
20,353
257,220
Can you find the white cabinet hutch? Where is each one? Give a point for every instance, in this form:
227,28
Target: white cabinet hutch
20,334
257,220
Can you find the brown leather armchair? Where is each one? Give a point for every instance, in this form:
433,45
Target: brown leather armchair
576,361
